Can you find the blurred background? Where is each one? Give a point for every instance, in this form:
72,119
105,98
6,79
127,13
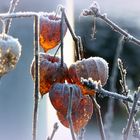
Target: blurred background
16,88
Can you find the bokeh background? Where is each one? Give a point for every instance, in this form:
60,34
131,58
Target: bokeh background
16,88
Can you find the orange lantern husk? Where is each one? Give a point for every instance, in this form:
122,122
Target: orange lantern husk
50,72
95,68
80,116
50,31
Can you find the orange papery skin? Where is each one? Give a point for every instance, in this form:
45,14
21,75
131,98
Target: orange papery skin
59,96
50,31
95,68
50,71
80,116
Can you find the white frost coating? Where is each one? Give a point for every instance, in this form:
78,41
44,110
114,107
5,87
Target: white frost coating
10,51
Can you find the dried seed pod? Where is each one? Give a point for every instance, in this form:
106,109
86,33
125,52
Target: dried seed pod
95,68
51,71
50,27
59,96
10,51
80,116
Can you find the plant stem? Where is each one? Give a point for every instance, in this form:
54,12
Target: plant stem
21,14
76,39
123,76
98,89
36,75
99,118
125,92
69,117
81,135
55,128
116,28
94,10
113,78
12,7
126,131
61,36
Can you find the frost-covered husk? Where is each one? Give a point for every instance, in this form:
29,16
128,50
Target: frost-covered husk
10,51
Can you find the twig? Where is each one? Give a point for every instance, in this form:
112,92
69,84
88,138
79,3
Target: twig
94,28
12,7
55,128
81,48
126,131
94,9
4,16
81,135
96,87
99,118
125,91
69,117
124,86
61,36
36,75
123,76
136,130
76,39
113,78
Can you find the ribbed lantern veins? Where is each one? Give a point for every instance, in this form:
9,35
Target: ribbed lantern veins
80,116
95,68
50,31
82,107
10,52
59,96
51,71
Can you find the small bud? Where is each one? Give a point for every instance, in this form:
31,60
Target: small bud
95,8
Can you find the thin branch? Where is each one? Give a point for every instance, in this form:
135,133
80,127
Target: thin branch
76,39
4,16
81,48
12,7
96,87
123,76
61,37
126,131
81,135
69,112
125,91
55,128
113,78
36,75
99,118
94,10
94,29
136,130
69,27
124,86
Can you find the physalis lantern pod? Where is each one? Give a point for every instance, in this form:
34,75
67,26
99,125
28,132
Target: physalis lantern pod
80,116
51,71
50,31
10,51
95,68
59,96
